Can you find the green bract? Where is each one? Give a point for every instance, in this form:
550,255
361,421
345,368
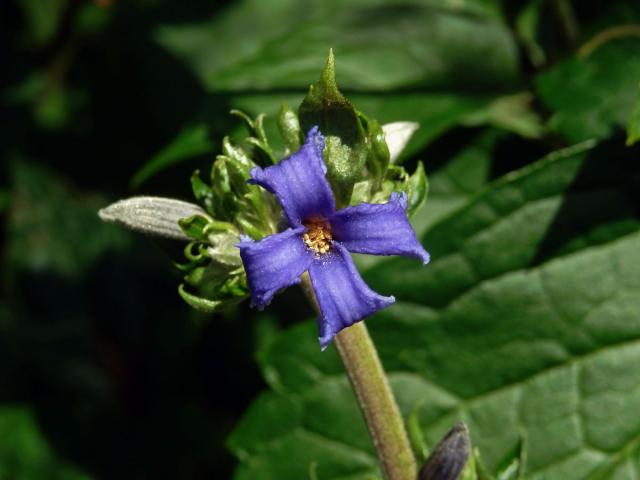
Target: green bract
356,152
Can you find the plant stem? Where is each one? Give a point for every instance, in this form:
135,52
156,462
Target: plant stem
374,396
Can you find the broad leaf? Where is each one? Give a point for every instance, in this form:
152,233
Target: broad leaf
370,40
538,342
591,94
409,61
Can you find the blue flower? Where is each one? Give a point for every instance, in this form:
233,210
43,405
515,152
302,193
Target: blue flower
319,240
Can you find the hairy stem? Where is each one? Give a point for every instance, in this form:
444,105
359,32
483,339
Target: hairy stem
375,398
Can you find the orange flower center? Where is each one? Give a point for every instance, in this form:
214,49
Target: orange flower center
318,235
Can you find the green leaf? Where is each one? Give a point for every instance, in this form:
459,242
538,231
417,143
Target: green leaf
25,452
190,142
592,94
418,54
374,52
541,341
633,126
510,112
466,173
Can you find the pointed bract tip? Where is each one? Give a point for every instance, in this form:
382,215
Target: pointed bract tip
328,77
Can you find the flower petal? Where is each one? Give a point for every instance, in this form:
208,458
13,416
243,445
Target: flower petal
378,229
299,181
342,295
273,263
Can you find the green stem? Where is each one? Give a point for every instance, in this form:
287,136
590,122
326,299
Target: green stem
375,398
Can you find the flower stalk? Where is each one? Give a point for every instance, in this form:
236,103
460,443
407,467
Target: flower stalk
374,396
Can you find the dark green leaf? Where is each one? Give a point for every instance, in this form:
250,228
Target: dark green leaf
539,340
370,40
592,94
190,142
419,56
510,112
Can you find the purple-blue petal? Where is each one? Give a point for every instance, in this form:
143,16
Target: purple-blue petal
273,263
378,229
299,181
342,295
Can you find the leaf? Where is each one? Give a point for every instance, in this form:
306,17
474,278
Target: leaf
511,112
591,95
370,40
466,173
541,341
190,142
24,451
397,61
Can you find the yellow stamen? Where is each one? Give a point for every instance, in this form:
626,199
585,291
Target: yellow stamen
318,235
